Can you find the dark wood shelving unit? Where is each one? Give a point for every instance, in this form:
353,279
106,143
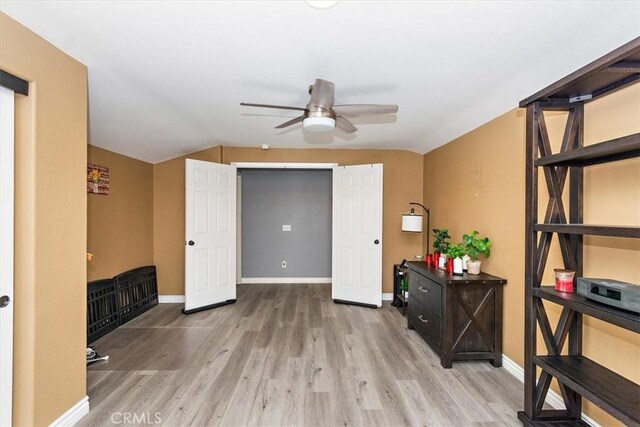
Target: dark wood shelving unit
605,388
622,318
592,230
577,375
610,151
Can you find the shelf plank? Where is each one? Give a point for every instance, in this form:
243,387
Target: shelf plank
622,318
626,147
594,230
550,418
595,79
612,392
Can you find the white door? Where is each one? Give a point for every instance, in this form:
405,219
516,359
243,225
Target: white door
6,252
210,238
357,235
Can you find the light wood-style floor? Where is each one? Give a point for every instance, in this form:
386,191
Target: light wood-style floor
287,355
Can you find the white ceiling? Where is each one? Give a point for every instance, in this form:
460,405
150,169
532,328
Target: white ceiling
167,78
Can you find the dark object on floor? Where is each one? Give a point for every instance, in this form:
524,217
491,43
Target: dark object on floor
113,302
102,308
137,292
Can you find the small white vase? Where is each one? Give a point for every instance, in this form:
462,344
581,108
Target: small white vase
457,266
442,262
465,259
473,266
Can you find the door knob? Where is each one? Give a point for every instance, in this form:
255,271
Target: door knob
191,243
4,301
376,241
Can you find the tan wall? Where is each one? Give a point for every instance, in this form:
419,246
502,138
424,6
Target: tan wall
51,223
477,182
120,225
168,219
402,184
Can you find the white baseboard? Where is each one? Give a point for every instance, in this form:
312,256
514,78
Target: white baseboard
173,299
553,398
514,369
283,280
73,414
164,299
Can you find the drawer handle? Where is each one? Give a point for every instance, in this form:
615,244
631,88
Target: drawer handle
424,320
423,289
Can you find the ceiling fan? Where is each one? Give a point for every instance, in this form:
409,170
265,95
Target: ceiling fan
321,115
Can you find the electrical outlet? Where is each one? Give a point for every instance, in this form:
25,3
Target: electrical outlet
284,263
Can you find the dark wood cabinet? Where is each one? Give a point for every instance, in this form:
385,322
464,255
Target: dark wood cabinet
459,316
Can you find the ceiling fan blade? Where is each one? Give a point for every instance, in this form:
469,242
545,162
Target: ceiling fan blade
290,122
281,107
322,94
362,109
345,125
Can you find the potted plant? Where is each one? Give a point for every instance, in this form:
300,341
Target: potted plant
404,288
475,247
440,245
455,254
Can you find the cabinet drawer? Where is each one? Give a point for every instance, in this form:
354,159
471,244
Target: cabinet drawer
426,292
425,322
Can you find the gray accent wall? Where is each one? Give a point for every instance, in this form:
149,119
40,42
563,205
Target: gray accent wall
277,197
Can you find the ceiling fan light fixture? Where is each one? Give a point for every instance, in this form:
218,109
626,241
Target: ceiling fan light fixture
321,4
319,124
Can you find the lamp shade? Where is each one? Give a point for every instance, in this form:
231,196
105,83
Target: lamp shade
412,222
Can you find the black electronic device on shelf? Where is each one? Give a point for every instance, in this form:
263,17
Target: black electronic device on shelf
611,292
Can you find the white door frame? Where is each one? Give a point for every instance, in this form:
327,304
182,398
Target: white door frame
269,165
282,165
238,228
7,135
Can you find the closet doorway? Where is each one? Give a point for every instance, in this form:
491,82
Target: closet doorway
338,217
284,224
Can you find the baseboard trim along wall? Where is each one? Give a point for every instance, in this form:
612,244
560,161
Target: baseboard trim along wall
553,398
73,414
283,280
171,299
179,299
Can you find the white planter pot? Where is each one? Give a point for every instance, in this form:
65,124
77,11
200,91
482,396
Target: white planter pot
457,266
473,267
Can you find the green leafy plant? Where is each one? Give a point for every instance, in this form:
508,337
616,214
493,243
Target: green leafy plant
475,246
440,243
404,284
456,251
